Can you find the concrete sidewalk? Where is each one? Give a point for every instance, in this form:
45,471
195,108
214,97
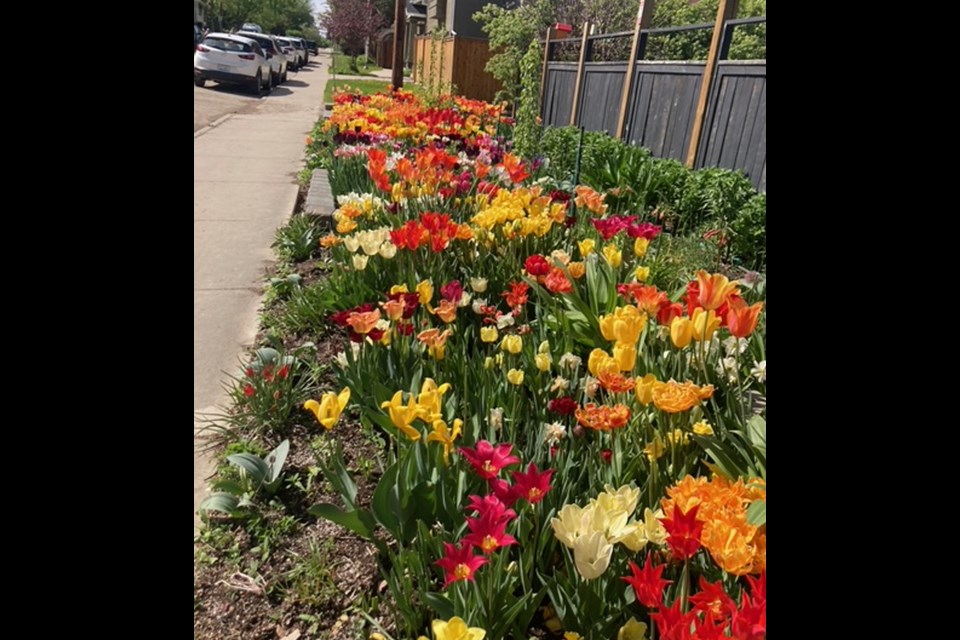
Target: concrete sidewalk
244,187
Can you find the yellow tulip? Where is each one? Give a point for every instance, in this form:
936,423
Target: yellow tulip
429,400
544,347
629,324
445,436
625,355
425,289
456,629
586,247
613,255
596,357
681,332
634,629
512,344
402,415
642,273
644,389
329,408
398,288
704,324
515,376
488,363
640,246
488,334
543,361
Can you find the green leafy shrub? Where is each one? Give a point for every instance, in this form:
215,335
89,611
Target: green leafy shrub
749,242
298,240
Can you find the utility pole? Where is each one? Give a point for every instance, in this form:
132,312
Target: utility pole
398,20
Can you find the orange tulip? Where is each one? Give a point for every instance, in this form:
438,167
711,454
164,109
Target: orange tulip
714,289
363,323
742,320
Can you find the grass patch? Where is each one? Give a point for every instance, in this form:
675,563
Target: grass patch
352,66
366,87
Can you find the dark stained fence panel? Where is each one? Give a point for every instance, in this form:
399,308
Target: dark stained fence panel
600,101
735,132
662,107
558,94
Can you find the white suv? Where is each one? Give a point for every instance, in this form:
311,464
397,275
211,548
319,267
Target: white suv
227,58
271,48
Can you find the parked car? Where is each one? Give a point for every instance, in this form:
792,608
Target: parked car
294,57
301,46
251,27
232,59
312,46
278,61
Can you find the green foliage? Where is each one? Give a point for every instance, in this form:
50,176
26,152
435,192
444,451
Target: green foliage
526,135
352,65
510,32
713,196
312,579
749,241
350,175
298,239
234,493
749,42
362,87
558,146
275,16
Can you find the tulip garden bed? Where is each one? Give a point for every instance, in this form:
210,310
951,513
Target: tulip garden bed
502,397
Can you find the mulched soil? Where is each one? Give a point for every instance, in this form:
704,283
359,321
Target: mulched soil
246,586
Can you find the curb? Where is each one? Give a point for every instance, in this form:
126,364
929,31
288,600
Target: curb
216,123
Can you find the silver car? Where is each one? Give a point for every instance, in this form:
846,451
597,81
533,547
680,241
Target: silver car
232,59
294,55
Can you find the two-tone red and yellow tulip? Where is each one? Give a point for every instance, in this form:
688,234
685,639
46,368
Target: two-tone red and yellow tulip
714,289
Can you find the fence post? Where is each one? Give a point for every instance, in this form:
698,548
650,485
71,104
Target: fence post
543,74
726,11
644,12
576,85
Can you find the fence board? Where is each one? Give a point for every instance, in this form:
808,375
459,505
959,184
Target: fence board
738,121
662,107
600,101
558,96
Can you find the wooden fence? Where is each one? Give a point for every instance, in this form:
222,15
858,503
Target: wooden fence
660,111
454,62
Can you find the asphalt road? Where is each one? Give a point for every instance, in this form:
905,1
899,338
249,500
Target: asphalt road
215,100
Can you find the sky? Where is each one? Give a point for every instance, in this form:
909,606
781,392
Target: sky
319,5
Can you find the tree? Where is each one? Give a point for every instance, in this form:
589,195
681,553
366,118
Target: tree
350,22
275,16
511,31
749,42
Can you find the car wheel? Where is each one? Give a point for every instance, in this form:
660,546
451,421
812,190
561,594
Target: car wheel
200,81
258,84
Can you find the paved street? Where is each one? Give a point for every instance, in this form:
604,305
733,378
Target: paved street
245,186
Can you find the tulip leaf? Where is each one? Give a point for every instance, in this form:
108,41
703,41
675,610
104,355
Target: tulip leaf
275,460
440,604
223,502
336,473
229,486
254,467
351,520
757,513
386,501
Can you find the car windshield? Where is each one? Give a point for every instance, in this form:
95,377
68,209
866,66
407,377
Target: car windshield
227,45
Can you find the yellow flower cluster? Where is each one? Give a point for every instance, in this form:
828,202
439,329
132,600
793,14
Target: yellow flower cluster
592,531
671,396
520,212
735,545
426,407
